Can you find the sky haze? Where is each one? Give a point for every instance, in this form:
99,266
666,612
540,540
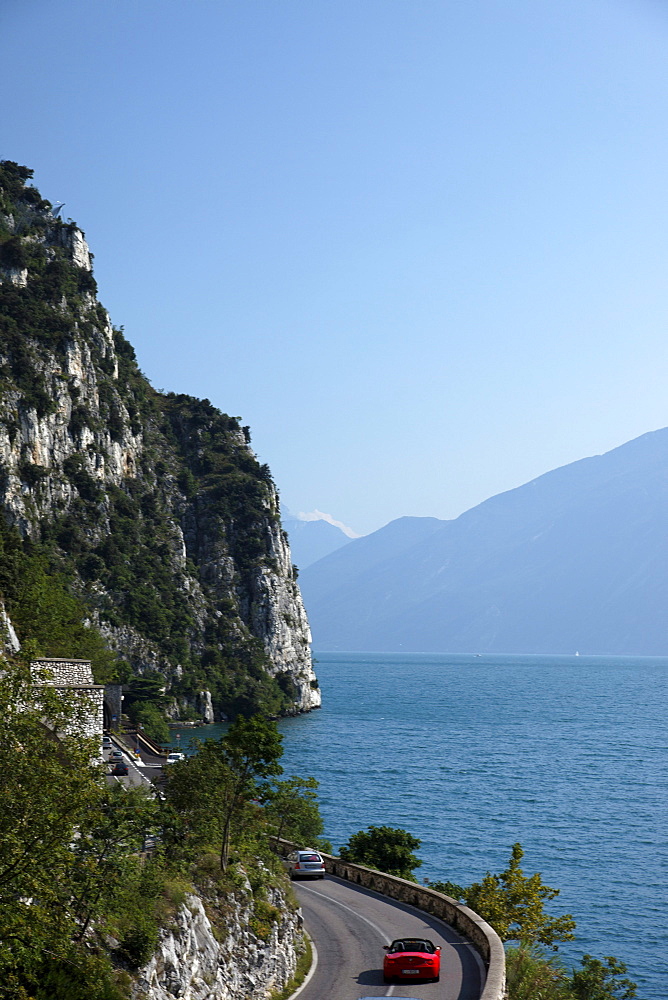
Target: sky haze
420,248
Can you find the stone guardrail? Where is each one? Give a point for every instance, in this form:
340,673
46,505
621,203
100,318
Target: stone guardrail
465,921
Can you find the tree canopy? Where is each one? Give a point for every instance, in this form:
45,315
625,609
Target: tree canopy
69,849
291,807
389,849
514,904
211,791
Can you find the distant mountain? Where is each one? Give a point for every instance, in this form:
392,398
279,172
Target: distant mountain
574,560
311,540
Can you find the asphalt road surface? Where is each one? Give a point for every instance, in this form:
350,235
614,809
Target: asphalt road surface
141,770
349,926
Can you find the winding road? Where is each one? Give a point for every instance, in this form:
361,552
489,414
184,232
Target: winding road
349,926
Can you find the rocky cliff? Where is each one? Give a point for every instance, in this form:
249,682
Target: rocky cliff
152,505
235,958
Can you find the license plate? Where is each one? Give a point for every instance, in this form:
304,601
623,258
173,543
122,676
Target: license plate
410,972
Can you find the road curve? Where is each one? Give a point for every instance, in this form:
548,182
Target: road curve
349,926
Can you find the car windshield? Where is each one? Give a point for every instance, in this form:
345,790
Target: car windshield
412,944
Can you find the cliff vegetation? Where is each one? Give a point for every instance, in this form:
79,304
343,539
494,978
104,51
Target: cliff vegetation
138,528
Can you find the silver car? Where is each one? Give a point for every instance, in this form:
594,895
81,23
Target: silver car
305,864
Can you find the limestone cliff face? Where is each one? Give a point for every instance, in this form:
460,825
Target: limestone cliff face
201,961
155,503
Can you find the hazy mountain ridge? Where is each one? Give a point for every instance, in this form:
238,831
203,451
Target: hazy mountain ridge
311,540
573,560
152,504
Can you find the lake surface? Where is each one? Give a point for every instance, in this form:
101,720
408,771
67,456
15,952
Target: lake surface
567,755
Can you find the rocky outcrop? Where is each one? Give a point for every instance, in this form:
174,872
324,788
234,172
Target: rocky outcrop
10,640
155,503
197,960
277,612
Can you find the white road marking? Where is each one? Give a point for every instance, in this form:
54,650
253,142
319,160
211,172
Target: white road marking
381,934
419,913
311,971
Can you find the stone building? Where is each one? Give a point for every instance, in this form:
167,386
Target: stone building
73,679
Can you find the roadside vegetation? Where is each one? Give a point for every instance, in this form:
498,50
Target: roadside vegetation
514,905
90,873
386,848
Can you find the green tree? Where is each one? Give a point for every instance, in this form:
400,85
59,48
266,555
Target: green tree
148,687
69,849
605,980
144,701
291,806
42,609
514,905
253,748
107,853
386,848
210,792
50,787
195,791
149,718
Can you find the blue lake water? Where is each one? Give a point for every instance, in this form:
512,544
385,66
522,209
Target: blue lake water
567,755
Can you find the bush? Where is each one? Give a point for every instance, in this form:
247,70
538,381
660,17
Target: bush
264,917
530,975
606,980
140,941
386,848
79,977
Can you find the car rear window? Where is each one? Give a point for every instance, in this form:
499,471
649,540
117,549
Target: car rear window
310,857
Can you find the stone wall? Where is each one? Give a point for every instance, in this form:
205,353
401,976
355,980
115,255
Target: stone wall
465,921
60,672
73,679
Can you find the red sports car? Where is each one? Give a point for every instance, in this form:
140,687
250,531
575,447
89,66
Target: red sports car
412,958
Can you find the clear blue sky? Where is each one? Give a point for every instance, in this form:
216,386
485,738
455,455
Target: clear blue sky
420,246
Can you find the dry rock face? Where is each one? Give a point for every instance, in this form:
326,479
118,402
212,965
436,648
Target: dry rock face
155,502
194,962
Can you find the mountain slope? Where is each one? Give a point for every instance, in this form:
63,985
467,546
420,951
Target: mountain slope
574,560
153,506
311,540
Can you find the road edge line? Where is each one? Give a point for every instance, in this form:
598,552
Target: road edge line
311,971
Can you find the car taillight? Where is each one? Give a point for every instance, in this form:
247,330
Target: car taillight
297,865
